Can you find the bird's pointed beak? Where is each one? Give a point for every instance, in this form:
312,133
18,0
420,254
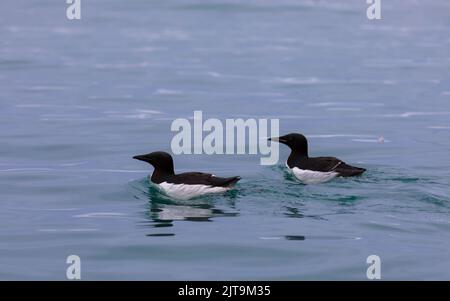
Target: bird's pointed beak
139,157
277,139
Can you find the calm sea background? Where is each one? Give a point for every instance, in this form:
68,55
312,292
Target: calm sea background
79,98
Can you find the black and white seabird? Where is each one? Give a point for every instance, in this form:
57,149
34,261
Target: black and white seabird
313,170
185,185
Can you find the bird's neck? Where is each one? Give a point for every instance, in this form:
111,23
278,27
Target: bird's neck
295,157
160,175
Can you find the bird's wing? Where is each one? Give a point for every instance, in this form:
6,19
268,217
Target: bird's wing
323,164
193,178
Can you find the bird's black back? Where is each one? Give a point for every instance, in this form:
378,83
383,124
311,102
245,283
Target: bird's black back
326,164
197,178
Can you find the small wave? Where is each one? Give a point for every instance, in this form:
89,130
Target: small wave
57,116
439,127
344,109
413,114
331,104
401,63
301,237
379,140
214,74
148,49
26,169
110,170
41,209
124,96
267,6
70,164
317,81
340,135
122,65
38,169
68,230
33,105
167,92
135,114
100,214
46,88
286,100
166,34
396,29
66,30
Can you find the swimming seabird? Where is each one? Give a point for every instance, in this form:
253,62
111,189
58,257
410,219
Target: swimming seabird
185,185
313,170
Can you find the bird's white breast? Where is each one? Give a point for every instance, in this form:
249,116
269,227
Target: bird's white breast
312,177
186,191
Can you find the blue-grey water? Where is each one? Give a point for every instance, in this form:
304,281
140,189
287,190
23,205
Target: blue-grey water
79,98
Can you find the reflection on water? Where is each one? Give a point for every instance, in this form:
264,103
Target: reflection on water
294,237
163,211
160,234
295,212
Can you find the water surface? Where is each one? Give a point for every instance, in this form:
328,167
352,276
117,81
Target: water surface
79,98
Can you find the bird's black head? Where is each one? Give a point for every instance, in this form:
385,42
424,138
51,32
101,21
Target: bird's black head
296,142
161,161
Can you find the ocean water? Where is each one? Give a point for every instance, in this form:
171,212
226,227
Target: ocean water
79,98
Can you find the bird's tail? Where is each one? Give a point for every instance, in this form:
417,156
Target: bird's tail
231,181
346,170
